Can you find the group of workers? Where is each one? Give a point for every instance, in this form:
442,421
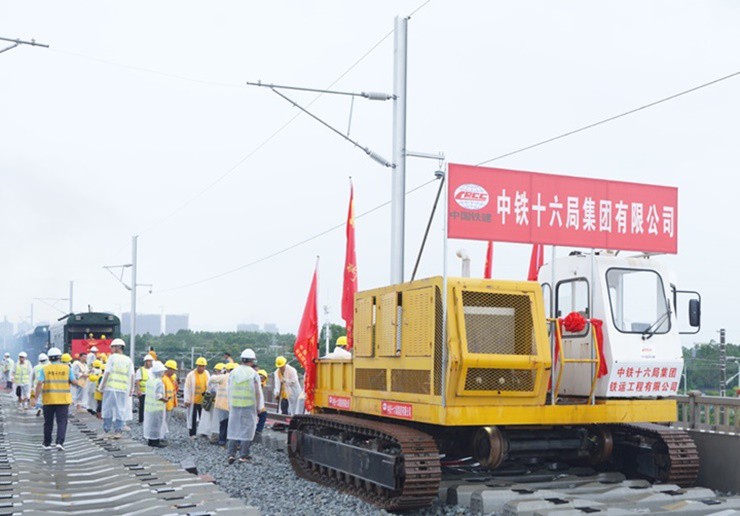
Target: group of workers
227,406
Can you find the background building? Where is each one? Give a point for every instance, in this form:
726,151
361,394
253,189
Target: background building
145,323
271,328
176,322
248,327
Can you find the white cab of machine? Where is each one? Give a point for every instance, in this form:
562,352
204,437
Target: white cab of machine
635,299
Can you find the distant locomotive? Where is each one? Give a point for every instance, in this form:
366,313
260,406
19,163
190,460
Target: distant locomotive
79,332
34,342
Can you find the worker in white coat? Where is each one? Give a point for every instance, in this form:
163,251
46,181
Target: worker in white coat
208,425
79,392
155,401
22,380
287,387
340,350
117,388
92,356
245,402
8,366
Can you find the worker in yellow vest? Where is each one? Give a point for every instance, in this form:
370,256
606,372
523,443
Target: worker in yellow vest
117,387
99,394
142,375
22,380
154,429
54,388
245,402
196,383
170,388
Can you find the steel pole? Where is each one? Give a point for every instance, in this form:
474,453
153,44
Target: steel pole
134,240
398,195
71,296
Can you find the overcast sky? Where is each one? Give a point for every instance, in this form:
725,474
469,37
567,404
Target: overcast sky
103,136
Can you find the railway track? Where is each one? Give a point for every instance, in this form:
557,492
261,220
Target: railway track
95,475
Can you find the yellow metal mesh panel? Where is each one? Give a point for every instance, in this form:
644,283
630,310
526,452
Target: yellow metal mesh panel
437,342
370,379
385,324
498,324
364,328
479,379
410,380
418,323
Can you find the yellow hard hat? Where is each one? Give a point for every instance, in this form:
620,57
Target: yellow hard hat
102,367
218,367
231,366
201,361
342,341
97,364
66,358
171,364
280,361
262,373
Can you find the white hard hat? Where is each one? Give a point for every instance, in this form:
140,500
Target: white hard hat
43,357
94,349
118,342
22,354
54,352
248,354
158,367
7,354
148,357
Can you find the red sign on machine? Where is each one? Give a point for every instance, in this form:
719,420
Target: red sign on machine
393,409
514,206
340,402
80,345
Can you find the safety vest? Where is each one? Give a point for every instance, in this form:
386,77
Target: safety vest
144,377
283,390
151,403
22,376
119,374
55,390
36,370
169,392
97,394
201,384
222,394
242,393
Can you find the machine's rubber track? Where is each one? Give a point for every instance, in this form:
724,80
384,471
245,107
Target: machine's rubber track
675,459
418,477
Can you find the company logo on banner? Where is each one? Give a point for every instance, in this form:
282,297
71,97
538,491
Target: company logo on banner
529,207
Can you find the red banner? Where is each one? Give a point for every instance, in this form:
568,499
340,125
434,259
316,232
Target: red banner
350,272
529,207
80,345
306,343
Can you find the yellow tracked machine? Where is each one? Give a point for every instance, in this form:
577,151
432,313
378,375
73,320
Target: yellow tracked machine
463,368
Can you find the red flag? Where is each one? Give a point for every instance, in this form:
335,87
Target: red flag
350,271
306,342
536,261
489,261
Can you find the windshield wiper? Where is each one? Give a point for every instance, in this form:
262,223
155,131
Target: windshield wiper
650,330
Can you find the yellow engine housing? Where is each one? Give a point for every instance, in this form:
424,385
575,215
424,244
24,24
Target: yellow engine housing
497,355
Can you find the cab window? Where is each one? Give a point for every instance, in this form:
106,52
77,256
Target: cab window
638,301
573,296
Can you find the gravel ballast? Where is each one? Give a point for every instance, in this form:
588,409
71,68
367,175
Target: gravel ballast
268,482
